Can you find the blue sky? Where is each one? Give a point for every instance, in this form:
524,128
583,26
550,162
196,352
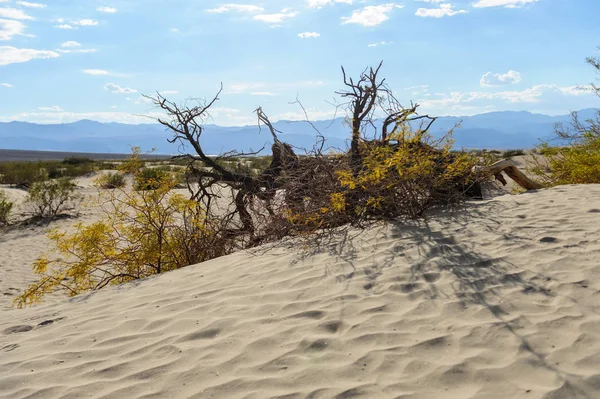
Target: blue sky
66,60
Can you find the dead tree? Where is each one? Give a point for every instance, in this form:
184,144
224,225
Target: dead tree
208,176
362,96
367,95
256,203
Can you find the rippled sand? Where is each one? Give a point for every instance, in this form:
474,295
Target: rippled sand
501,300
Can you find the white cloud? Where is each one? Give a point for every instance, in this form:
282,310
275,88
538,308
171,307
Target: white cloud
371,15
576,90
503,3
379,44
96,72
74,24
54,108
536,96
7,85
321,3
237,8
168,92
14,13
9,28
242,87
225,116
13,55
31,5
308,35
72,47
499,79
85,22
141,99
109,10
314,114
113,88
442,11
275,19
78,50
70,44
418,90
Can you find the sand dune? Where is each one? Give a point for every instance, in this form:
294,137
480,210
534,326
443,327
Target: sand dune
499,301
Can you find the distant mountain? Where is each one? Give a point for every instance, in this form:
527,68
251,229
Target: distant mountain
499,130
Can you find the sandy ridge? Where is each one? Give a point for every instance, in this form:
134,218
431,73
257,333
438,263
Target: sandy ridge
501,301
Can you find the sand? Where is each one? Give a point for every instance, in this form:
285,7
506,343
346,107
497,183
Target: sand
501,300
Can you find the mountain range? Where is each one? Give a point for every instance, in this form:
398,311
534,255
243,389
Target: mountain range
494,130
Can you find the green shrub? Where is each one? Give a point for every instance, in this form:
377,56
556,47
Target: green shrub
75,160
577,163
142,234
5,208
112,180
149,178
167,168
104,165
49,198
22,174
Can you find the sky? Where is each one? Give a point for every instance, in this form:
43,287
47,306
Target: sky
67,60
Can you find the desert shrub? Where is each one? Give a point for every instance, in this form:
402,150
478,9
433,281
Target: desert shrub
575,159
107,165
22,174
49,198
403,179
578,162
5,208
141,234
168,168
76,160
513,153
150,178
111,180
67,170
259,162
406,179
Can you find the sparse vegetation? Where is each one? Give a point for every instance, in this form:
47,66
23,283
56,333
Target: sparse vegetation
76,160
240,201
576,160
111,180
23,174
5,208
150,178
49,198
141,234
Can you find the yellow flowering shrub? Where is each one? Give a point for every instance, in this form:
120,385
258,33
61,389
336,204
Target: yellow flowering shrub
405,176
141,233
408,176
577,163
